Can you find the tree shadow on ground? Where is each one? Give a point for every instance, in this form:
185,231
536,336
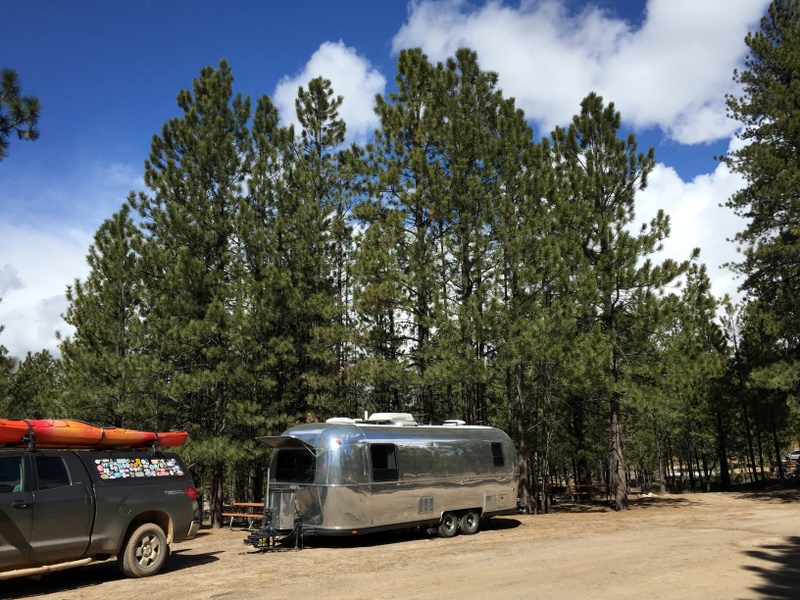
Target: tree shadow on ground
778,565
73,580
775,495
603,505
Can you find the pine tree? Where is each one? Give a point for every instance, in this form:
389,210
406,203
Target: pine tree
8,366
319,253
466,105
18,113
618,283
107,373
191,262
757,385
685,364
36,391
269,356
770,163
394,264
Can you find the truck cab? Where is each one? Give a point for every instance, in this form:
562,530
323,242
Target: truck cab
43,490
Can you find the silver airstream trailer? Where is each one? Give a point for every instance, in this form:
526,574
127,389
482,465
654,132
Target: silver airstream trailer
346,476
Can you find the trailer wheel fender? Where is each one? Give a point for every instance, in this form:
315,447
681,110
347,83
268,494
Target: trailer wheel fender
448,526
470,522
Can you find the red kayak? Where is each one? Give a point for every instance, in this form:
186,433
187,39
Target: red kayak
12,432
56,431
171,439
67,433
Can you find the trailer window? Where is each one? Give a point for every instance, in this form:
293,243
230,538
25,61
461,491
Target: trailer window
295,466
384,462
497,454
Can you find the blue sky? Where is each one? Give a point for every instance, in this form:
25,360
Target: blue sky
108,73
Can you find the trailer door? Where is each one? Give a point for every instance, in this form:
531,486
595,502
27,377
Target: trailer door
294,460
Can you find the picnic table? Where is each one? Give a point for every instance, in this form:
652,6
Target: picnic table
249,511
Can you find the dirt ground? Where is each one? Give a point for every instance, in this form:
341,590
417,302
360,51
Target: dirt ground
689,546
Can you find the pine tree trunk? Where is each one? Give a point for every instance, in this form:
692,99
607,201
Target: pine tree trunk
690,466
619,481
748,429
759,446
776,446
522,439
217,497
583,476
218,467
255,481
722,453
662,468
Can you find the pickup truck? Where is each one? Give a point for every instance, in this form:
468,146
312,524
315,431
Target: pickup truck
61,509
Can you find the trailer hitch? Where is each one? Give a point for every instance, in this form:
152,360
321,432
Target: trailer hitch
267,539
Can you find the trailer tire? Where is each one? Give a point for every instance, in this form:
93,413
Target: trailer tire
144,552
470,522
448,526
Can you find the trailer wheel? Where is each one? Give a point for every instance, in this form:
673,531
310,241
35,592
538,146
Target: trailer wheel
448,526
144,552
470,522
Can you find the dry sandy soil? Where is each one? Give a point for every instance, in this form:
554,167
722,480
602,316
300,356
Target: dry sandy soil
688,546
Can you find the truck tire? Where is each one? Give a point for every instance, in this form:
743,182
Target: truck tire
470,522
144,551
448,526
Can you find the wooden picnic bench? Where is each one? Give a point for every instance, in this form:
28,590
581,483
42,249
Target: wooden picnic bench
578,492
245,511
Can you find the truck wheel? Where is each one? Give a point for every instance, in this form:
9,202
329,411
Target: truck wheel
145,551
470,522
448,526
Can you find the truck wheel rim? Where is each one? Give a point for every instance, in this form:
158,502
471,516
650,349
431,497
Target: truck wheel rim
148,551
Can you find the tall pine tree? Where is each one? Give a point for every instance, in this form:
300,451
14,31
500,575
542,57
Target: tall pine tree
769,111
191,261
617,280
397,291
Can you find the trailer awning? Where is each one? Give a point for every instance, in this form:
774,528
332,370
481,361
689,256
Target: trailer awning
285,441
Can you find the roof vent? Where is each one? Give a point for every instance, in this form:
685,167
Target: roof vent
392,419
454,423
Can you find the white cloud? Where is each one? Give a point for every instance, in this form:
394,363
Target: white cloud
672,72
45,234
9,280
46,261
697,219
352,77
